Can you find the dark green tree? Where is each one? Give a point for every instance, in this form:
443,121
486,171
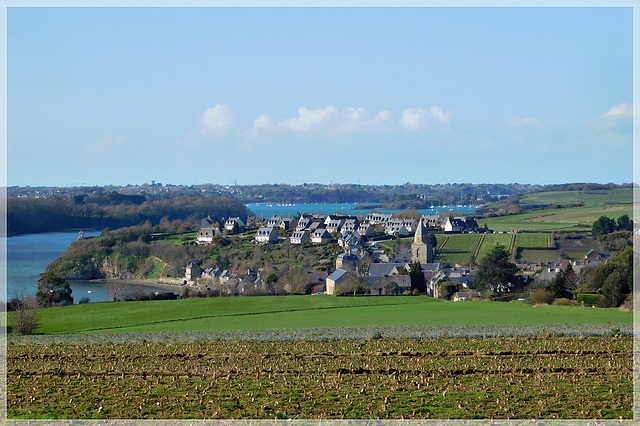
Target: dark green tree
271,281
53,290
603,225
564,283
624,223
495,271
613,279
417,278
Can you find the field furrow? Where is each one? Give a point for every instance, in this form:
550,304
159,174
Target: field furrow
518,378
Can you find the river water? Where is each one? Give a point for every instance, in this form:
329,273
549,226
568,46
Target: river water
28,257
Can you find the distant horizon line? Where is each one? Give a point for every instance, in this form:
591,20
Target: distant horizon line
160,184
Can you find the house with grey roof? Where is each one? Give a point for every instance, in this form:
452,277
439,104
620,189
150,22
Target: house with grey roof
209,230
321,236
350,240
431,220
350,225
386,269
454,225
410,224
375,218
266,235
304,223
231,223
347,261
380,285
299,237
333,225
365,229
396,229
335,279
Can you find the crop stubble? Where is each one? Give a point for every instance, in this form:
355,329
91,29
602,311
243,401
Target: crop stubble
541,377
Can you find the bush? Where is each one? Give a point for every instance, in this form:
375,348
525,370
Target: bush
507,297
540,296
84,300
565,302
590,299
627,306
24,318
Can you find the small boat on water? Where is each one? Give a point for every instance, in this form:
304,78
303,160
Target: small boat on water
89,291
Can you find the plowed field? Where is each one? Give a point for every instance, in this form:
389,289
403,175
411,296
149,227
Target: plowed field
518,378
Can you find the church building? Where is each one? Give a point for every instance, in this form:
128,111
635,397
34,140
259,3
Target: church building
421,251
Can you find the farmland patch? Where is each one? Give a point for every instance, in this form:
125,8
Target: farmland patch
517,378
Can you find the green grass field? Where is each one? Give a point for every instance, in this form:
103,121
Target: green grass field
569,219
536,255
289,312
458,248
622,196
532,240
491,240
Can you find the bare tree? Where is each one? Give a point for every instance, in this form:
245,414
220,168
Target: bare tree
25,319
117,291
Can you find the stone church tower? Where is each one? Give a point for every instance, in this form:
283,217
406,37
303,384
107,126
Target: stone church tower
421,251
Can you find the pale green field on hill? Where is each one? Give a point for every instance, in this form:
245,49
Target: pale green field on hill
295,312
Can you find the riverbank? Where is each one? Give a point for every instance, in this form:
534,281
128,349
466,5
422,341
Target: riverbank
174,284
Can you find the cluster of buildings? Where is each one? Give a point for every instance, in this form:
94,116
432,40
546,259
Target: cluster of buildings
384,274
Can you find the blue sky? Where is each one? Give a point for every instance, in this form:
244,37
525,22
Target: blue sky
372,95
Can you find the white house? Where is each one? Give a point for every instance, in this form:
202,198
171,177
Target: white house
334,225
304,223
365,229
321,236
266,235
299,237
232,221
374,218
454,225
396,229
350,225
209,229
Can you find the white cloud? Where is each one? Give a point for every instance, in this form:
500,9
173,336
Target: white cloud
384,115
103,146
308,119
617,118
520,122
218,119
417,119
619,111
262,121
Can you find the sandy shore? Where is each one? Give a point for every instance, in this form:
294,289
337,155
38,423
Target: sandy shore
174,284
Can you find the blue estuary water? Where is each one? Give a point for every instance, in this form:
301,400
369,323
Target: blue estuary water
28,257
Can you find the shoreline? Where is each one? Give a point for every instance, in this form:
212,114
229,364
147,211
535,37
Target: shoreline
166,284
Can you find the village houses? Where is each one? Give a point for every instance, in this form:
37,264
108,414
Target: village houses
384,274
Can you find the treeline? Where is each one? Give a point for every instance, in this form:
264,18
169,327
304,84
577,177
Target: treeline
586,186
405,196
99,210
